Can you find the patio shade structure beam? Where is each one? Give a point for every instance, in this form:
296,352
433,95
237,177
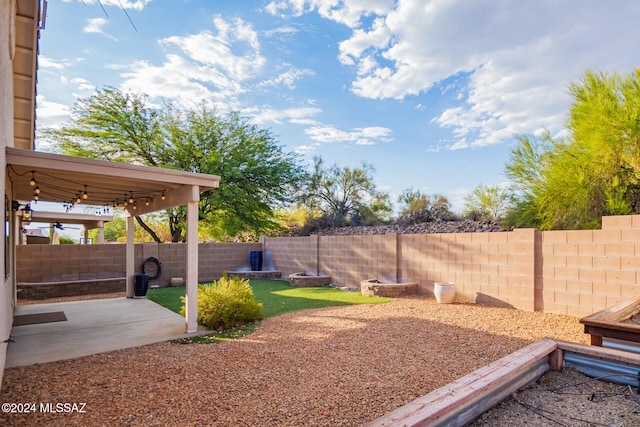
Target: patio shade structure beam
60,179
87,221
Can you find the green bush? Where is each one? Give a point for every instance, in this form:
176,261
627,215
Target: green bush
226,303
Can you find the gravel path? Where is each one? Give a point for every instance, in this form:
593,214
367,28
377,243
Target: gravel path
338,366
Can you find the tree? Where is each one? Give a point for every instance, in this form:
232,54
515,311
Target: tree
487,202
257,175
345,195
571,183
115,230
416,207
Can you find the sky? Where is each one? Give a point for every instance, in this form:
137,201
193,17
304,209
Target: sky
431,93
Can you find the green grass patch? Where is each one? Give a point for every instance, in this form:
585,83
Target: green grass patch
167,297
216,337
277,297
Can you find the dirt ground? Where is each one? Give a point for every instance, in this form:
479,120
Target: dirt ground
337,366
567,398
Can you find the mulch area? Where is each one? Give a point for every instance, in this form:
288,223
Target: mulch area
337,366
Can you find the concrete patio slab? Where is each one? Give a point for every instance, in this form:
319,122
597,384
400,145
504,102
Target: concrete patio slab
93,326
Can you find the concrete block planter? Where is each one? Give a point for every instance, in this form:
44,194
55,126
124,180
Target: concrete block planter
304,280
374,287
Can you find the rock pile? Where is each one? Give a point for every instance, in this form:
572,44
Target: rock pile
463,226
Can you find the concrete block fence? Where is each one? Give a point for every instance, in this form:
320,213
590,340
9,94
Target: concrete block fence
63,263
562,272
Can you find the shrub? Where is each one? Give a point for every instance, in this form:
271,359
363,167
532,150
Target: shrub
226,303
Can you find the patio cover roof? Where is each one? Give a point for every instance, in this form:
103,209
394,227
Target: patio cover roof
88,221
62,179
27,22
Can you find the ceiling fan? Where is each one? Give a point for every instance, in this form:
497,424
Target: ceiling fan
58,225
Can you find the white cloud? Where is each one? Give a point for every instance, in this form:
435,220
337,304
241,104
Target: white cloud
286,30
360,136
46,63
518,57
347,12
126,4
209,67
377,38
266,116
306,149
95,26
288,78
51,114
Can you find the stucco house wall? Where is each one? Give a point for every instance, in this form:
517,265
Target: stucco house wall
6,139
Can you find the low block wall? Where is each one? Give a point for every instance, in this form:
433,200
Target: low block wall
45,290
59,263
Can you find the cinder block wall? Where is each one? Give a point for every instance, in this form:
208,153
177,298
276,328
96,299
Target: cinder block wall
217,258
586,271
347,259
563,272
351,259
294,254
488,268
50,263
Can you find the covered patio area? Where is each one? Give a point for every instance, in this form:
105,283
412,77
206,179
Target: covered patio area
91,327
137,189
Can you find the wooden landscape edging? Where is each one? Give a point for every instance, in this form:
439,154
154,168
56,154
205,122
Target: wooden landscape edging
468,397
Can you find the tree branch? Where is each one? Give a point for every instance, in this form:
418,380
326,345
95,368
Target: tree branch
148,229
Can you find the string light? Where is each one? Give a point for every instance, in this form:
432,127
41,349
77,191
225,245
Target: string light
128,201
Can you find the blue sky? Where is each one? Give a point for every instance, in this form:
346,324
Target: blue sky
429,92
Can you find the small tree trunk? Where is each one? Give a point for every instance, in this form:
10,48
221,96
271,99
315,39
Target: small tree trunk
175,229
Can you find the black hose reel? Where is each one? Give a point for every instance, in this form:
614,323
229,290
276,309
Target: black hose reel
154,272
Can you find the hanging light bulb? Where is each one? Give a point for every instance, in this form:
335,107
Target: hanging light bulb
163,197
33,179
130,196
37,190
85,195
35,196
147,202
78,199
124,201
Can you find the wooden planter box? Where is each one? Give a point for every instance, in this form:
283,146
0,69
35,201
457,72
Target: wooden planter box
613,323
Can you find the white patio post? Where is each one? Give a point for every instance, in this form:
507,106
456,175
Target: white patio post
101,232
192,263
130,255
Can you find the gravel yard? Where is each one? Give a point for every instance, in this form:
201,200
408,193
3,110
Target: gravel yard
338,366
